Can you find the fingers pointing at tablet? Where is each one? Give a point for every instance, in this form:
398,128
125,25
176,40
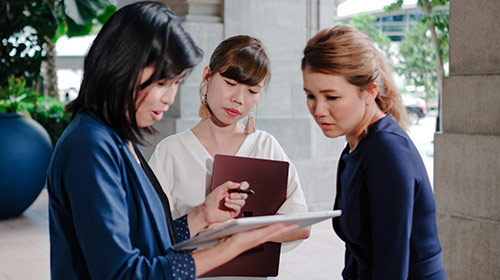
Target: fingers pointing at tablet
224,202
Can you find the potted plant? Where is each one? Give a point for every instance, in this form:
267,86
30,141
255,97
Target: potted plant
28,33
25,147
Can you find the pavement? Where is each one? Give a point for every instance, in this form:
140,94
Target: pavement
24,241
24,249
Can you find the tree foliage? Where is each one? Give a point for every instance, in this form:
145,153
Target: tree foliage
416,60
27,26
366,23
440,21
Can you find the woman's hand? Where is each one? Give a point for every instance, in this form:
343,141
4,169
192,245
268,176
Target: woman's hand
219,206
230,247
248,239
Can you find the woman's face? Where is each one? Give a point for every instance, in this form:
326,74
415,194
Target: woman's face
336,105
155,99
229,100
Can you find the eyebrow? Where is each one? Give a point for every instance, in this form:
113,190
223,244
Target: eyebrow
323,90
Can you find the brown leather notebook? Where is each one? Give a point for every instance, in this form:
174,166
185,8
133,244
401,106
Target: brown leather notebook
269,180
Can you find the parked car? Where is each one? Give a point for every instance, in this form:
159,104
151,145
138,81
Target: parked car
415,107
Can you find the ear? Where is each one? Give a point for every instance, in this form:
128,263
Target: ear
206,73
371,93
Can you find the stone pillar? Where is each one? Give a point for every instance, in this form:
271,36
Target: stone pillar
284,26
203,20
467,152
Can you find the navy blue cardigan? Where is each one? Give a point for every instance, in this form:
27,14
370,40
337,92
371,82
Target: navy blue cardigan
106,220
388,209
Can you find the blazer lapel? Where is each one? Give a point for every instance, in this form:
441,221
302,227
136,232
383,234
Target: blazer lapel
150,197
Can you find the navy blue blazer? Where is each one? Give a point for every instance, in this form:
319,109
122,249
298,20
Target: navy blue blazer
388,217
106,220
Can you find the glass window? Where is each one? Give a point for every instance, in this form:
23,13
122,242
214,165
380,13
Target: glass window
393,28
415,17
394,18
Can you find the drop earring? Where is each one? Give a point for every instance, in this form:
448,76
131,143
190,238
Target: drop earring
250,125
204,111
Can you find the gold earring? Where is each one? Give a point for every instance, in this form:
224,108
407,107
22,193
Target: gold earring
204,111
250,125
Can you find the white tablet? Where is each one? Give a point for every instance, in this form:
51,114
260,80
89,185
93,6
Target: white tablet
212,236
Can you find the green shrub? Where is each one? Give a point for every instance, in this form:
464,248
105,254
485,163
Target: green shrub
49,112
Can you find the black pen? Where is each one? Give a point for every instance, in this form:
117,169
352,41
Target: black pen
241,191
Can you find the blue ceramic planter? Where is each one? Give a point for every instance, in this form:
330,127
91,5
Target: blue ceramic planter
25,151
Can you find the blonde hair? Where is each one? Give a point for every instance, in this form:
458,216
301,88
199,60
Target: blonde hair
348,52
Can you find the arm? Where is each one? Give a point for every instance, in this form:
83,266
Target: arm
231,247
390,194
211,212
302,233
97,197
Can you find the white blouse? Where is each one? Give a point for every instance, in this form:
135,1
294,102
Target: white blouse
184,168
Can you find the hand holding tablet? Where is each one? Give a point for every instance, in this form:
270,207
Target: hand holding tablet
211,237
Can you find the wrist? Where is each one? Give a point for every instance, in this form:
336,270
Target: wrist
196,220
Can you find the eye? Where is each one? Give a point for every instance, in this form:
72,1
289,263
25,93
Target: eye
179,81
230,83
310,96
331,98
253,91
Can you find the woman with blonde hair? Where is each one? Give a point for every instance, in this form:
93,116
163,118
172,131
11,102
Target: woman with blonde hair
388,217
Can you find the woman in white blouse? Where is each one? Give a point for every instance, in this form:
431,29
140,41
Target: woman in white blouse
231,87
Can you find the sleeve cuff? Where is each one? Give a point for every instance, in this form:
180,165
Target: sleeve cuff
183,267
181,228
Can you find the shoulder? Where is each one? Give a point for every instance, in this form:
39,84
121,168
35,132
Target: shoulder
175,146
87,135
389,148
265,137
386,136
266,145
173,140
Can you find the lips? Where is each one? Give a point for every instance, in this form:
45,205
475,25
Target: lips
157,115
326,126
232,112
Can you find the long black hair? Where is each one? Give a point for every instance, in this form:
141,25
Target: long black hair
140,35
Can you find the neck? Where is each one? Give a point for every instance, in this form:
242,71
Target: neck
371,117
131,147
207,128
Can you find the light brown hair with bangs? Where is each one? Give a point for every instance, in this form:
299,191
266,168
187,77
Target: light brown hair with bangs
241,58
346,51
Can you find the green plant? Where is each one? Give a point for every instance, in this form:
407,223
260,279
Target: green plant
30,29
16,98
49,112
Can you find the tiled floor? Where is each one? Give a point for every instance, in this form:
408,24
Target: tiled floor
24,244
24,249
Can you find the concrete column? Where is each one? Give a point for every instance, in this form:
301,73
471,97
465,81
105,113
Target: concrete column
467,152
284,26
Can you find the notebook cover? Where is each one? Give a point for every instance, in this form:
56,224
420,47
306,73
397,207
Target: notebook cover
269,180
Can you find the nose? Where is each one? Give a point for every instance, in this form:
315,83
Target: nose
238,94
168,96
320,108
